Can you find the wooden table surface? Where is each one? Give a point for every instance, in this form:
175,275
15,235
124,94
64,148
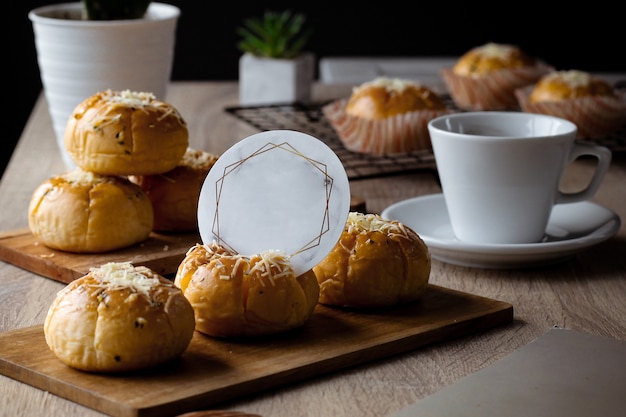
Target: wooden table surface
586,293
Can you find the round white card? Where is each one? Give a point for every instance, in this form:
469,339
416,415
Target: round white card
277,190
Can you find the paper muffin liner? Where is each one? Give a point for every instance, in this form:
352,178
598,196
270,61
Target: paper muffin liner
493,91
403,133
595,117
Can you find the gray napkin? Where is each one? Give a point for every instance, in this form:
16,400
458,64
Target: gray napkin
562,373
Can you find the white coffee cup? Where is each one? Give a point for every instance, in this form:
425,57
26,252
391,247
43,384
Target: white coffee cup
500,172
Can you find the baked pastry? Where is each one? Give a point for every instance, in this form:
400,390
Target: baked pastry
590,102
491,57
118,318
83,212
486,77
571,84
237,296
375,263
126,133
387,97
386,116
175,193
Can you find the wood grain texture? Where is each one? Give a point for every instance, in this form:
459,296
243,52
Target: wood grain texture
213,370
160,252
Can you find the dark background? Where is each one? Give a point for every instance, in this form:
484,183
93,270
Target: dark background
589,36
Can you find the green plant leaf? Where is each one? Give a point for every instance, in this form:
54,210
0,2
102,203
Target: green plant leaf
274,35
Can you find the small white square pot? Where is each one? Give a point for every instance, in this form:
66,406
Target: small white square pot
275,81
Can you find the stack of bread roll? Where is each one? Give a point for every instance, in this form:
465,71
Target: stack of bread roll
110,136
119,317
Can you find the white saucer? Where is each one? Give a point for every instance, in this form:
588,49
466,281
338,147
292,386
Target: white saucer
572,227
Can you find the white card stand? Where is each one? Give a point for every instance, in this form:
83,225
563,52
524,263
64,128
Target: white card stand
280,191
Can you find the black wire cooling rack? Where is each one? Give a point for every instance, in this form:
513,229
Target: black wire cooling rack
310,119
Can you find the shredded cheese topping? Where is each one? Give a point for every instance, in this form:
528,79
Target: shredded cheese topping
140,100
272,264
363,223
80,177
391,84
573,78
198,159
130,98
121,275
497,50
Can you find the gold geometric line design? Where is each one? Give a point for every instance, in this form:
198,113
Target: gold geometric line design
320,166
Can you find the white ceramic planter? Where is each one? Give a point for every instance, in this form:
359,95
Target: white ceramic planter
275,81
80,58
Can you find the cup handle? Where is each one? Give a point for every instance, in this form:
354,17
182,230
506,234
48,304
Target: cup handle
603,155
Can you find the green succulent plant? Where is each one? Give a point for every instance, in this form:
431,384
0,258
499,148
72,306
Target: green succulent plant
274,35
114,9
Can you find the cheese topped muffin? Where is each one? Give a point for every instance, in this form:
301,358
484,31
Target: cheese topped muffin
486,76
491,57
570,84
596,108
387,97
386,116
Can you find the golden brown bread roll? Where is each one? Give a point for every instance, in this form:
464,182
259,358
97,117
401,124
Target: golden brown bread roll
387,97
237,296
126,133
119,318
174,194
570,84
376,263
491,57
83,212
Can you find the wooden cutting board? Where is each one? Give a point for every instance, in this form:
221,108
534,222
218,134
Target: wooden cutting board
160,252
212,371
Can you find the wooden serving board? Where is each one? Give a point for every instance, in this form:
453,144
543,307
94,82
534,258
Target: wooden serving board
212,371
160,252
